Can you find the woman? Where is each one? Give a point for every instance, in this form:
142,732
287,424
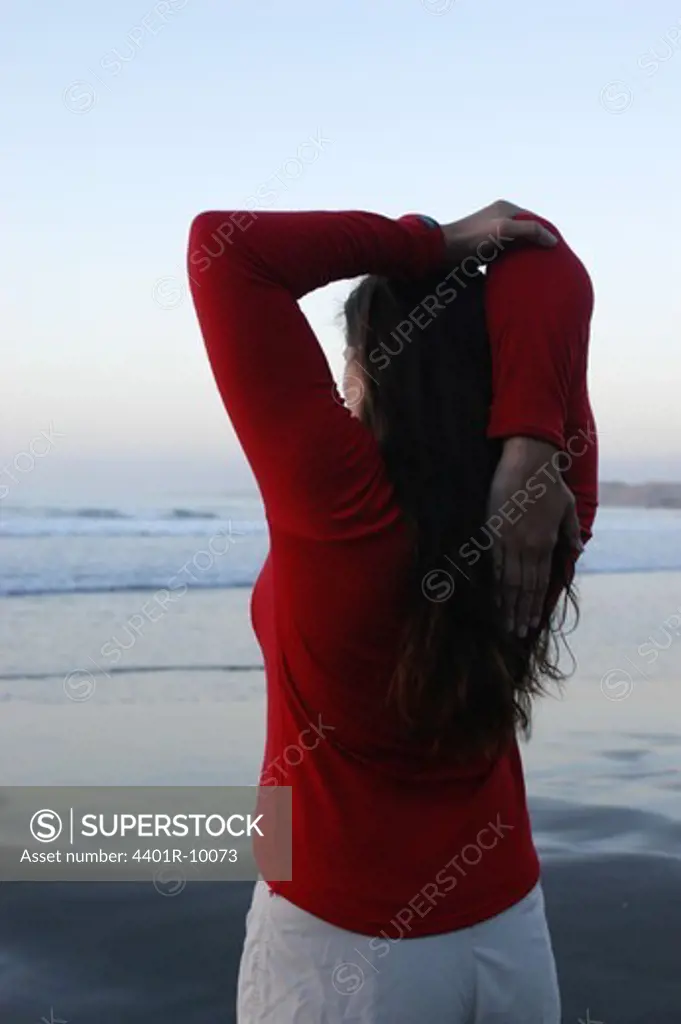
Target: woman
402,610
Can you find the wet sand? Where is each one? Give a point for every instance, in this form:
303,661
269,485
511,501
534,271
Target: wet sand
126,955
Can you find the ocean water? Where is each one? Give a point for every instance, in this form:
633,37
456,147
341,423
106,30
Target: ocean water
221,543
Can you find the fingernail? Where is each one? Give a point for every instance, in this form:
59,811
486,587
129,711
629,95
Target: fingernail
534,623
522,632
549,238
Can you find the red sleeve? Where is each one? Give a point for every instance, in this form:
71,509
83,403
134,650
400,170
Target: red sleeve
319,469
539,304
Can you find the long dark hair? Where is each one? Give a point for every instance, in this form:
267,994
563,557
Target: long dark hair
461,678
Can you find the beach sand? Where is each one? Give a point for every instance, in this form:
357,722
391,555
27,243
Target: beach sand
603,779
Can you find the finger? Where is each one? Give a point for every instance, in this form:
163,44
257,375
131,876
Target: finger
529,231
526,595
570,526
504,208
541,588
511,585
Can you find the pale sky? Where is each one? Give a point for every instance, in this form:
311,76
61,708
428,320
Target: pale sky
121,121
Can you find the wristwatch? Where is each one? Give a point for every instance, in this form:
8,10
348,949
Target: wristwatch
429,221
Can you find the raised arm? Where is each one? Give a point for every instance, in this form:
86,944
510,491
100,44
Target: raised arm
539,307
319,470
316,466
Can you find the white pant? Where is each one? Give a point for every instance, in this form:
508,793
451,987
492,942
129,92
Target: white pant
298,969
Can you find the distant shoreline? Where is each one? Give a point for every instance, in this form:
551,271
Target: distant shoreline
650,495
611,494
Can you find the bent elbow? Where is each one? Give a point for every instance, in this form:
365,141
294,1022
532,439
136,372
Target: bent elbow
214,235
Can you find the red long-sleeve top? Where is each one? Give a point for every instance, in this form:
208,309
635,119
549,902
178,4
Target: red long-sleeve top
385,841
